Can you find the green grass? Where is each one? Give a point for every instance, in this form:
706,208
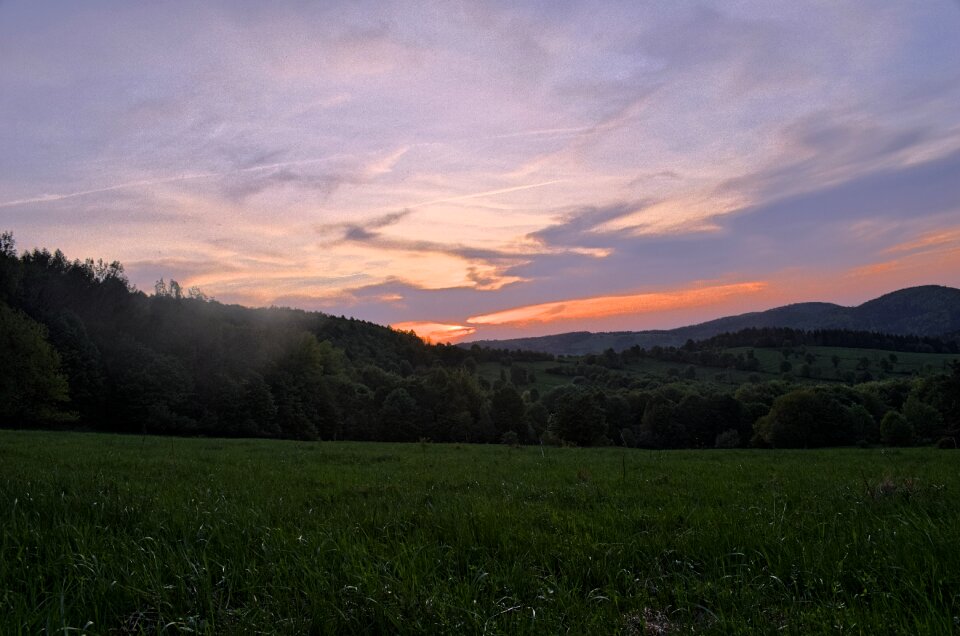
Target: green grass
108,534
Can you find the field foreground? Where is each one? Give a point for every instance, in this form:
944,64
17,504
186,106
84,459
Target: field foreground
106,534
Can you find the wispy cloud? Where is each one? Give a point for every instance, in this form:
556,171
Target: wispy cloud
934,240
427,163
482,194
605,306
144,183
931,266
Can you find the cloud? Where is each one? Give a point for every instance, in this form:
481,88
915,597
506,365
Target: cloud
240,188
486,268
928,267
572,153
829,148
924,189
436,332
483,194
836,225
363,231
374,50
247,182
605,306
454,159
933,240
278,172
748,53
578,227
483,267
241,183
142,183
598,227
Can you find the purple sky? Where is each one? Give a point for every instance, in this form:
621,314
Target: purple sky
494,170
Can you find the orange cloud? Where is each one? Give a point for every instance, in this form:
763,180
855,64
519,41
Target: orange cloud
435,331
875,269
929,240
926,266
604,306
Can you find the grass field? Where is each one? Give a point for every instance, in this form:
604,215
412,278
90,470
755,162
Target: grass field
105,534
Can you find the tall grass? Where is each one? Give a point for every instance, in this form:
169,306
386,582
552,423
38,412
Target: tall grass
104,534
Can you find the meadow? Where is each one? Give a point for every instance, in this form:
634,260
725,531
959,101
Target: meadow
107,534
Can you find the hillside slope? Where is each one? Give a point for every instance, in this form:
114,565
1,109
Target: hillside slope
929,310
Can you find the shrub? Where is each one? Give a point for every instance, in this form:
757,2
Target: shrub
801,419
925,419
730,438
578,418
895,430
549,439
947,442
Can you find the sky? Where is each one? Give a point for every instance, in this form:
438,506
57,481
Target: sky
491,170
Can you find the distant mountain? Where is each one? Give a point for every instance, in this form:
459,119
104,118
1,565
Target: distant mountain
929,310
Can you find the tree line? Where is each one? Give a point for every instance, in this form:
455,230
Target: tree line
786,338
84,349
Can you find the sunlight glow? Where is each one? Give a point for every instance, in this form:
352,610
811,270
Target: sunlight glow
435,332
604,306
325,157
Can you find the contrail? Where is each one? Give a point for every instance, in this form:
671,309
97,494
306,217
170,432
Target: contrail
464,197
487,193
543,132
45,198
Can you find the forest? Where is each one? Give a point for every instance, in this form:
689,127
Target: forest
84,349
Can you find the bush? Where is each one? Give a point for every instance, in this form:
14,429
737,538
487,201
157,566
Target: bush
603,440
549,439
578,418
925,419
730,438
510,438
803,419
895,430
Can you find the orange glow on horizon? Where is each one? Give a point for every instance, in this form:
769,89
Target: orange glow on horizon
435,332
605,306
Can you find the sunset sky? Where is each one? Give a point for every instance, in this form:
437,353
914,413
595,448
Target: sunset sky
489,170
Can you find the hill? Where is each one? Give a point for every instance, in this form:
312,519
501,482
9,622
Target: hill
83,349
929,310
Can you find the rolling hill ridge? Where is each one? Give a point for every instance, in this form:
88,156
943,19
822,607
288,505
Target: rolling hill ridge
928,310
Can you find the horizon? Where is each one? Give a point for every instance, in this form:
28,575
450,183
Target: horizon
443,330
486,172
720,317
